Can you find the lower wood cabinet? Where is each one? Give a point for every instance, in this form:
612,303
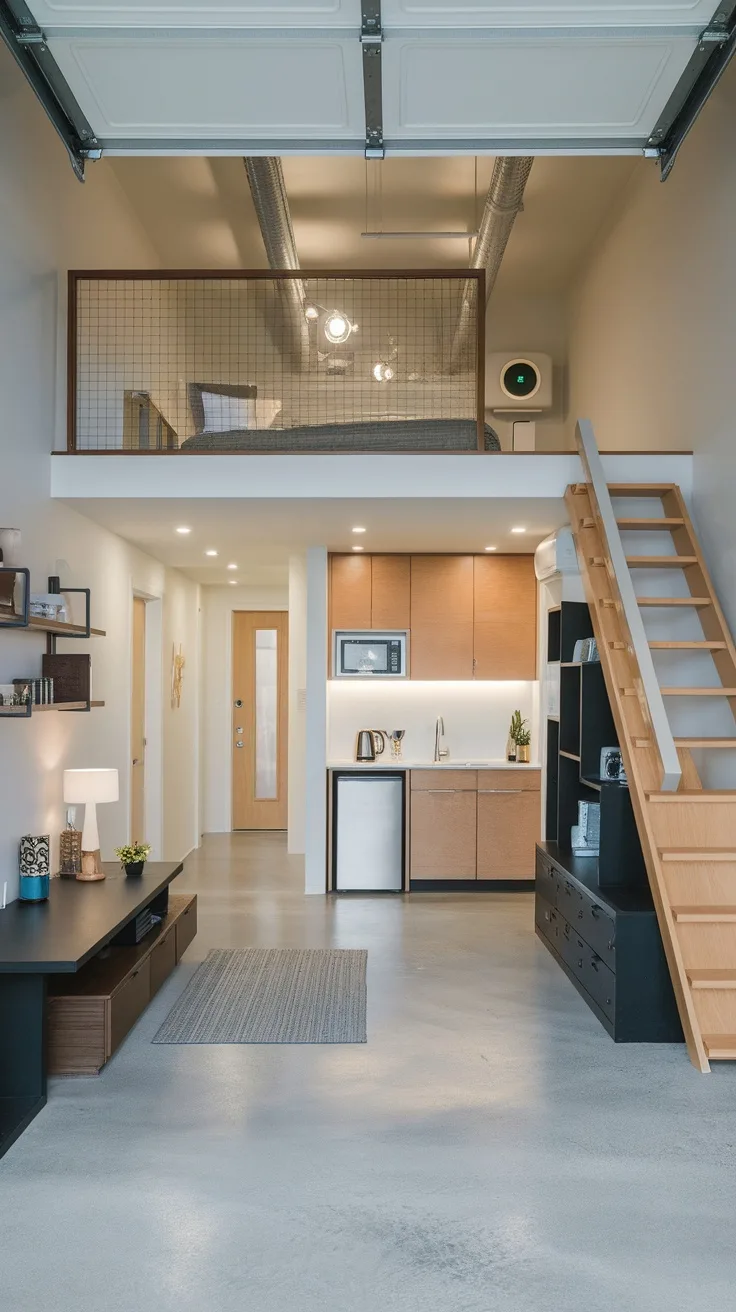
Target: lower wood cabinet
443,828
509,825
90,1013
481,826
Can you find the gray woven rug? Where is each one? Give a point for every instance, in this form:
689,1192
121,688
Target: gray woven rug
272,995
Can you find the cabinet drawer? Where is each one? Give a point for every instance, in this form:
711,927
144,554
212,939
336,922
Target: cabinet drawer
521,777
599,930
600,983
438,781
186,928
569,901
163,959
127,1003
546,920
547,881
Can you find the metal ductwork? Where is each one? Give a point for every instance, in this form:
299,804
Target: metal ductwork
266,180
503,203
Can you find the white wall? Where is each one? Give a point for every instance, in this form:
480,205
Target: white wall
218,604
49,223
315,837
520,324
476,716
654,336
297,702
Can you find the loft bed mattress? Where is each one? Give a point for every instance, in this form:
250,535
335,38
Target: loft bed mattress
376,435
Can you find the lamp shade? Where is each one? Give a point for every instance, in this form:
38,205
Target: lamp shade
91,786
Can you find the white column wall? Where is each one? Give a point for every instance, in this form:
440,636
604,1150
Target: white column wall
297,702
316,722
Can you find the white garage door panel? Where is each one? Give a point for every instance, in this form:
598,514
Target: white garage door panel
211,87
55,14
605,87
550,13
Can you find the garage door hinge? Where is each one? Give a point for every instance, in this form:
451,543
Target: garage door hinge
715,35
31,36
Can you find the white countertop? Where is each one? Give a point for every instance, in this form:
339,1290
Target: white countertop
384,762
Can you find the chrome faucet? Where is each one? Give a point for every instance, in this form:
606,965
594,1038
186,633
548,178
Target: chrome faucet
440,752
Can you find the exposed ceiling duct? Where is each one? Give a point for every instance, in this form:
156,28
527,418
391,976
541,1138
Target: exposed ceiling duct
503,203
266,180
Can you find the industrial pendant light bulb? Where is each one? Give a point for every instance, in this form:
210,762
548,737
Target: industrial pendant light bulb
383,373
311,312
337,328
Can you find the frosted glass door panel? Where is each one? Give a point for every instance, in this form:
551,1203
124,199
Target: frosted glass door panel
266,714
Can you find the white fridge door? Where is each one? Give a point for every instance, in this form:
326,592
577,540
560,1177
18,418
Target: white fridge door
369,833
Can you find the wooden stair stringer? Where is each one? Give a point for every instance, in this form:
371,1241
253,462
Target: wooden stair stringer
643,764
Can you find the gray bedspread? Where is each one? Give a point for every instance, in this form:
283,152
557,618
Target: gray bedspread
379,435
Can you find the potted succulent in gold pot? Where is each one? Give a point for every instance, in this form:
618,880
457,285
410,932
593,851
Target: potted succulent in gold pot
133,858
521,736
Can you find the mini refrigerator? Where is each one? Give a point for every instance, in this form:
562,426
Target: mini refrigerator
368,833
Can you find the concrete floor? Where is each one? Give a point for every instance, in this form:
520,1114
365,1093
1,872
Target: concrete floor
489,1150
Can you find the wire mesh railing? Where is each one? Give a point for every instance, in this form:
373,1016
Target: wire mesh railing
241,361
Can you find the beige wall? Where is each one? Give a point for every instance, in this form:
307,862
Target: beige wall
49,223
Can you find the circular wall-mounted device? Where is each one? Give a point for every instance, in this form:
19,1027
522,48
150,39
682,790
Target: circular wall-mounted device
520,380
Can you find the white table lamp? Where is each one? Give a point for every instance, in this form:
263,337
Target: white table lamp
90,787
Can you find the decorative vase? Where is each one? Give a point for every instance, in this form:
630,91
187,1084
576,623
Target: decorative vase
134,869
34,867
523,753
511,750
33,888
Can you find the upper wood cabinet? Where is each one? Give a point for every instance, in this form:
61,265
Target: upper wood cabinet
441,617
391,592
350,592
468,616
504,609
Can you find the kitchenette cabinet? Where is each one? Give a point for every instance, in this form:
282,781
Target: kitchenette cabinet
473,826
469,617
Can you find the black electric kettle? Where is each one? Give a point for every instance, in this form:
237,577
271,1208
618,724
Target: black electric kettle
369,744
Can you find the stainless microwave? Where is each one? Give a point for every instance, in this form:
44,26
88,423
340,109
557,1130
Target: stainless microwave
365,654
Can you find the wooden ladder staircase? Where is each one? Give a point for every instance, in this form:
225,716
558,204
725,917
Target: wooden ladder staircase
687,831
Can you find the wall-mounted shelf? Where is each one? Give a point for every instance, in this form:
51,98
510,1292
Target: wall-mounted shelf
55,627
23,621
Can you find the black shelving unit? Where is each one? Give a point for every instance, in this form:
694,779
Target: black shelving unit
53,629
595,914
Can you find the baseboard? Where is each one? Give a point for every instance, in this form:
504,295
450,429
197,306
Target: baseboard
471,886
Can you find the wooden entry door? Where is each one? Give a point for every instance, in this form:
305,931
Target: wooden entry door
138,725
260,715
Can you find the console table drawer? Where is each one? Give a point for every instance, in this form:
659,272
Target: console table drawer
599,930
163,959
186,928
127,1004
547,880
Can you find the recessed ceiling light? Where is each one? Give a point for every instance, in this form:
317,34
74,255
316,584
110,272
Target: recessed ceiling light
490,548
211,552
232,565
518,530
183,529
358,529
357,548
233,583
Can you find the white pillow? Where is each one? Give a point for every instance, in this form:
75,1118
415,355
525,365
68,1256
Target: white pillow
222,414
225,414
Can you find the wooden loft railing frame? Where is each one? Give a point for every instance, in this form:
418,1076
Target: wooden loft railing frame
75,276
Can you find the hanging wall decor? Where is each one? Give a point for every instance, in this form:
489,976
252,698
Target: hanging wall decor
177,676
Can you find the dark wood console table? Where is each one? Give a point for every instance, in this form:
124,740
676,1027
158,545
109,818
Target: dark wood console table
57,937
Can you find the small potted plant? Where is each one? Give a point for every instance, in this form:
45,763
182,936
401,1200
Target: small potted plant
133,858
520,738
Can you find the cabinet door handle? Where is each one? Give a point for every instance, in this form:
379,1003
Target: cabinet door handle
507,791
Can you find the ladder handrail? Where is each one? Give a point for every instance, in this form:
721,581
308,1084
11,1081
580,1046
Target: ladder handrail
593,465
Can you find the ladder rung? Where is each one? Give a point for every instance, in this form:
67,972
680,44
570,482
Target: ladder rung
694,795
698,692
663,524
720,1047
705,915
674,601
721,744
710,978
698,855
688,646
652,490
660,562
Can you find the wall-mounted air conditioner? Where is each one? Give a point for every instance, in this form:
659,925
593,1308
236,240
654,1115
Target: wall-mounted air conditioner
556,555
518,382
